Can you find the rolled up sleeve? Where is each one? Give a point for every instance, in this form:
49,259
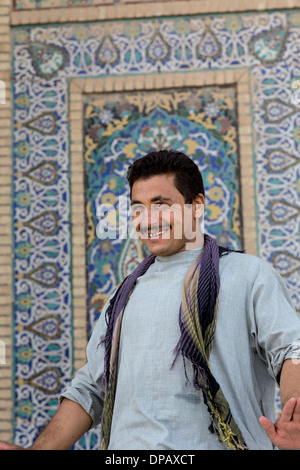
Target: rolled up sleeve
275,323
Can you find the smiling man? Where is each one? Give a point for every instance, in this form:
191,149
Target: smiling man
188,349
165,222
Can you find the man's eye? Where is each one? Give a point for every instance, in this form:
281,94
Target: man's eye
137,209
160,205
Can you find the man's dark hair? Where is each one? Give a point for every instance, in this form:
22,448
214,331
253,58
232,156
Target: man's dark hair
188,179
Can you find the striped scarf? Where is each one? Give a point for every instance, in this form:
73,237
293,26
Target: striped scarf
197,320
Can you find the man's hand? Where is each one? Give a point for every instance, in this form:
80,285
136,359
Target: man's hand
285,433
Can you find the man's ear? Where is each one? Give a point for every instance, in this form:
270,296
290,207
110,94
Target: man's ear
199,205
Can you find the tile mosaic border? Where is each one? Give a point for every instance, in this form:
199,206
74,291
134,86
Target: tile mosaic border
78,87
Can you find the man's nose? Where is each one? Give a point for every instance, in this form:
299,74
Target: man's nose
148,219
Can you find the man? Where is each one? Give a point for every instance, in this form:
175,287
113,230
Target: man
187,351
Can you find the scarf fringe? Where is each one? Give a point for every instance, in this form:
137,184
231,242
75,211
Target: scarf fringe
218,425
222,429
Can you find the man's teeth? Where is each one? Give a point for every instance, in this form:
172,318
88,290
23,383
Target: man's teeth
151,235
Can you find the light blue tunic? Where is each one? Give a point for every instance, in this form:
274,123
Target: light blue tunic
155,408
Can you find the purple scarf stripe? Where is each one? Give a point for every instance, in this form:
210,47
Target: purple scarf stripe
114,309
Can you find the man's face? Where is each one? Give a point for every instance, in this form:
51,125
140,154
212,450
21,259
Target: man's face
163,221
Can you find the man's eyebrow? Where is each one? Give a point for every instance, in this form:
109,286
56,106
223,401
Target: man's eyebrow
155,198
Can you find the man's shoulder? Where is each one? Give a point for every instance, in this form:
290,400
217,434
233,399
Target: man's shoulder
244,264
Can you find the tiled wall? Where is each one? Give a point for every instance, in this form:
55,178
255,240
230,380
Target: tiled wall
53,61
5,227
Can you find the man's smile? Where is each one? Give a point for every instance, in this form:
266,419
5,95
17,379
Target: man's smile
156,232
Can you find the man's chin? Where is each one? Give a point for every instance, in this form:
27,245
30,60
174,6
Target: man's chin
160,248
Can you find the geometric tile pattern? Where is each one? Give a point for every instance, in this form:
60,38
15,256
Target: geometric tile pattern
45,58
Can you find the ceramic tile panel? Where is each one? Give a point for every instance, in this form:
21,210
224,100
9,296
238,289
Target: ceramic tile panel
205,121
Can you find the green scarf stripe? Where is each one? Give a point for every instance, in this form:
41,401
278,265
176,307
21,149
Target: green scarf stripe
190,284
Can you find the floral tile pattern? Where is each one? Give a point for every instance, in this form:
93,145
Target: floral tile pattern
123,127
44,59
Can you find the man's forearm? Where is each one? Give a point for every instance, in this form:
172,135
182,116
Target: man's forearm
290,380
69,423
